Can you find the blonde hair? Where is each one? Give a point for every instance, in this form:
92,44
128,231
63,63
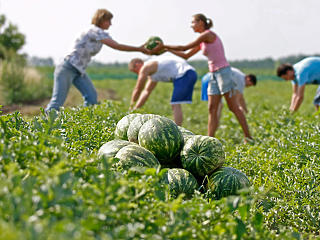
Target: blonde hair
100,16
133,62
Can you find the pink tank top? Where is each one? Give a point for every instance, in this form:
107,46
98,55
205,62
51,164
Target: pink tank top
215,53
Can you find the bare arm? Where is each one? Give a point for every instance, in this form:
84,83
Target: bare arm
144,73
204,37
242,102
294,93
297,97
145,94
122,47
186,55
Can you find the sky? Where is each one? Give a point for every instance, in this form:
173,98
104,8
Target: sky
249,29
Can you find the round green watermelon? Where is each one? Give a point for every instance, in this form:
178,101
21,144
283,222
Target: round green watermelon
110,149
152,43
180,181
162,137
123,125
134,155
226,181
201,155
136,124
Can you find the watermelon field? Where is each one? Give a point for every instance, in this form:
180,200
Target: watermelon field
54,184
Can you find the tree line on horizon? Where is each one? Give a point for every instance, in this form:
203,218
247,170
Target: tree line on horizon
264,63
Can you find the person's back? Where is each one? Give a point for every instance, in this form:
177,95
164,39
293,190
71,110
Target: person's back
239,79
169,69
307,71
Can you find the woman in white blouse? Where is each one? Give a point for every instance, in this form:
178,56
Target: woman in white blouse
72,68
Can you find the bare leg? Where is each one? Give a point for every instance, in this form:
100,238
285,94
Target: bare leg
177,114
317,107
219,111
213,117
234,107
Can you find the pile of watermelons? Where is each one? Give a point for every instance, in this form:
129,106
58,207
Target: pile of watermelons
153,141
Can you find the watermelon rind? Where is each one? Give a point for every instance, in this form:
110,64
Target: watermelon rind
123,125
185,133
162,137
201,155
226,181
180,181
134,155
111,148
136,124
152,43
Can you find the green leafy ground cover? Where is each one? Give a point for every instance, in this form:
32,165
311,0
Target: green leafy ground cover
53,185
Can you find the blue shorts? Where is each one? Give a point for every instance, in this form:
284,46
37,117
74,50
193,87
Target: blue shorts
204,86
221,82
183,88
316,100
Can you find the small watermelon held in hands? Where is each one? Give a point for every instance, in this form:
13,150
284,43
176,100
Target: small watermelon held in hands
152,43
226,181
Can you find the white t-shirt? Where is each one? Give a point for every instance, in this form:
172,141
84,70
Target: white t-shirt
239,79
169,69
86,46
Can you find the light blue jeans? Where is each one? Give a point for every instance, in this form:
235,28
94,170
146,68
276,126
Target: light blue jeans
64,75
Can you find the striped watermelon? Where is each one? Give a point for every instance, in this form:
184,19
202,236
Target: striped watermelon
123,125
162,137
136,124
110,149
180,181
135,156
226,181
185,133
201,155
152,43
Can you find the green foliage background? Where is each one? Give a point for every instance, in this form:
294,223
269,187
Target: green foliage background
53,185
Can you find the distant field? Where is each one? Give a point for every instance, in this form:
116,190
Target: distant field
268,94
116,83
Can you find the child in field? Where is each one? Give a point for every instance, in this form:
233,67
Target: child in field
307,71
72,69
221,84
241,81
163,69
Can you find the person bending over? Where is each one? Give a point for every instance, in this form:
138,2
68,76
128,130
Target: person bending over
163,69
305,72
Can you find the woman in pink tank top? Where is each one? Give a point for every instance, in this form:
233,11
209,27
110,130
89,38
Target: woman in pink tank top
221,83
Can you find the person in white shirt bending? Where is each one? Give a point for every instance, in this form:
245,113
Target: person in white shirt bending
163,69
